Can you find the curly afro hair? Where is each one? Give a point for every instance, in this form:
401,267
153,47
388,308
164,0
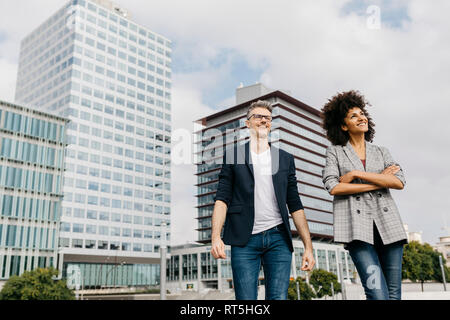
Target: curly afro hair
336,109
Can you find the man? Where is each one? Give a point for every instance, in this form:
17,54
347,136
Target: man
257,185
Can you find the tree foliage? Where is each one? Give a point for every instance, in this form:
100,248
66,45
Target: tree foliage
421,263
36,285
306,293
321,281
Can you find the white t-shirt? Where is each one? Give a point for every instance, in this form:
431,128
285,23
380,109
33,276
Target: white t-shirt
267,212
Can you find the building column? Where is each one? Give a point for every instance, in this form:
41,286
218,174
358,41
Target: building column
8,263
180,271
294,266
219,275
338,259
199,270
346,264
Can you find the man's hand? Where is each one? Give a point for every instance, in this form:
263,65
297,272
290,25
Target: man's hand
218,249
308,261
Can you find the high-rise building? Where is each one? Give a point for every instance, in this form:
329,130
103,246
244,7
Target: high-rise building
112,78
296,128
32,145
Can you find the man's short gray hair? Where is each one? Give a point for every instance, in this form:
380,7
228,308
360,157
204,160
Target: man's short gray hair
259,104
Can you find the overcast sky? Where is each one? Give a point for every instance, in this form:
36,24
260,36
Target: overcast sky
400,63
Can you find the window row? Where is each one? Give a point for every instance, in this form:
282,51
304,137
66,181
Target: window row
114,203
26,237
116,176
105,160
109,231
31,152
107,188
31,180
16,122
107,245
117,217
30,208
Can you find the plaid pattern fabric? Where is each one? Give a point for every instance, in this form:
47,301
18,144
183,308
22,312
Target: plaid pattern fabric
355,214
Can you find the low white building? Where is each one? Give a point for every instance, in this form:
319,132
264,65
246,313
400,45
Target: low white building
413,235
192,267
443,246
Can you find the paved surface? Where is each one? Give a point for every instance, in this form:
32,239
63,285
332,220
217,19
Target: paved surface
410,291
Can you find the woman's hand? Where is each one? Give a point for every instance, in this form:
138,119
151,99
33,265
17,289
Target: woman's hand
348,177
391,170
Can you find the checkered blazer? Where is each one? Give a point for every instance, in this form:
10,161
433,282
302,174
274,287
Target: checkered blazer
355,214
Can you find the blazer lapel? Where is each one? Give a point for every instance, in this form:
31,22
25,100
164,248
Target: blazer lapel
351,154
248,158
370,157
275,158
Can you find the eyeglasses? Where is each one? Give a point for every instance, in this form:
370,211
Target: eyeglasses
259,117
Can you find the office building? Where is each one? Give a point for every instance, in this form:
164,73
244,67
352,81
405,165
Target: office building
111,76
32,145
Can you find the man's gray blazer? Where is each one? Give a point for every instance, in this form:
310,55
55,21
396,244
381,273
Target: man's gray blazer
355,214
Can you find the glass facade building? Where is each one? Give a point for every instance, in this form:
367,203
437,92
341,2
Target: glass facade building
111,77
193,267
296,128
32,145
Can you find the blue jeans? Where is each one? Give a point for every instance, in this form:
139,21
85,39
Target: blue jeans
379,267
271,249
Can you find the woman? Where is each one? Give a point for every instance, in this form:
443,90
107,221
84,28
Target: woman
359,175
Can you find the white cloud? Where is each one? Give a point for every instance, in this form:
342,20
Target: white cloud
187,108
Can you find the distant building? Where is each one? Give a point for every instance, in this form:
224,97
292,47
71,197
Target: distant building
443,246
32,148
192,267
413,235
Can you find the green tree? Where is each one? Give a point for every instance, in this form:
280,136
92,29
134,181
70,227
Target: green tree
417,264
437,272
321,281
306,293
36,285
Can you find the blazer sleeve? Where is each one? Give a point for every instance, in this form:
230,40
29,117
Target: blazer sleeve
330,174
226,179
389,161
293,198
